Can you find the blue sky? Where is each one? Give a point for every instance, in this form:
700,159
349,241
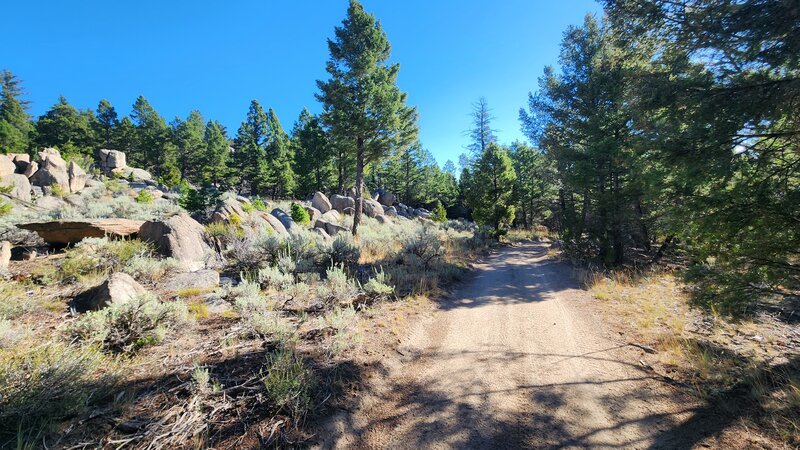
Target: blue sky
217,56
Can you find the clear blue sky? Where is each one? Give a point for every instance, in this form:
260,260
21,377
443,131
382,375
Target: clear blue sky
217,56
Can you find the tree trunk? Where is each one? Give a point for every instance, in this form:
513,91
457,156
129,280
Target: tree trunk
359,184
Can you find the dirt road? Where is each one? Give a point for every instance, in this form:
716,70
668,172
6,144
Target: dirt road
517,357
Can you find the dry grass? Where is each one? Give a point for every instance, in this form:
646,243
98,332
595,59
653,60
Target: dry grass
711,353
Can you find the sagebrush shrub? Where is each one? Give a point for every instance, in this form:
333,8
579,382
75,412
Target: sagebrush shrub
126,327
46,384
273,277
423,247
343,251
289,382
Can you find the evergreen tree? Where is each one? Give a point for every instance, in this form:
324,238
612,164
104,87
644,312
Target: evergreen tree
15,123
313,158
716,117
586,131
124,137
214,156
490,189
481,134
250,144
363,107
535,189
190,145
106,122
278,179
67,129
153,148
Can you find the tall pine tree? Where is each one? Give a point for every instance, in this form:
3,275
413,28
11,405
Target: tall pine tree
363,107
15,123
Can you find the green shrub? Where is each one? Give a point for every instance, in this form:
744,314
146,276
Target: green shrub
299,214
289,382
197,200
13,300
247,207
5,207
127,327
45,385
259,204
144,197
267,325
273,277
439,213
57,191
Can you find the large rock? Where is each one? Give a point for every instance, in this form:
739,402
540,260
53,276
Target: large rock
32,168
386,198
48,202
7,166
383,219
140,175
285,219
5,254
20,186
112,159
203,280
313,213
390,211
331,228
372,208
118,288
227,209
276,224
77,177
21,161
53,171
180,237
63,232
332,216
321,202
340,203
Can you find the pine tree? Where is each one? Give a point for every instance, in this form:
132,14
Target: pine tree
535,189
313,156
481,134
15,123
67,129
153,148
490,189
587,132
250,144
278,179
106,122
124,137
189,143
363,107
716,117
213,167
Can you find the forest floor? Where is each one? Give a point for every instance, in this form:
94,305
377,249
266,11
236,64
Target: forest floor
520,356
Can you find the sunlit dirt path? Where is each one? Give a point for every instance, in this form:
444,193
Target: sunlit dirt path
516,357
